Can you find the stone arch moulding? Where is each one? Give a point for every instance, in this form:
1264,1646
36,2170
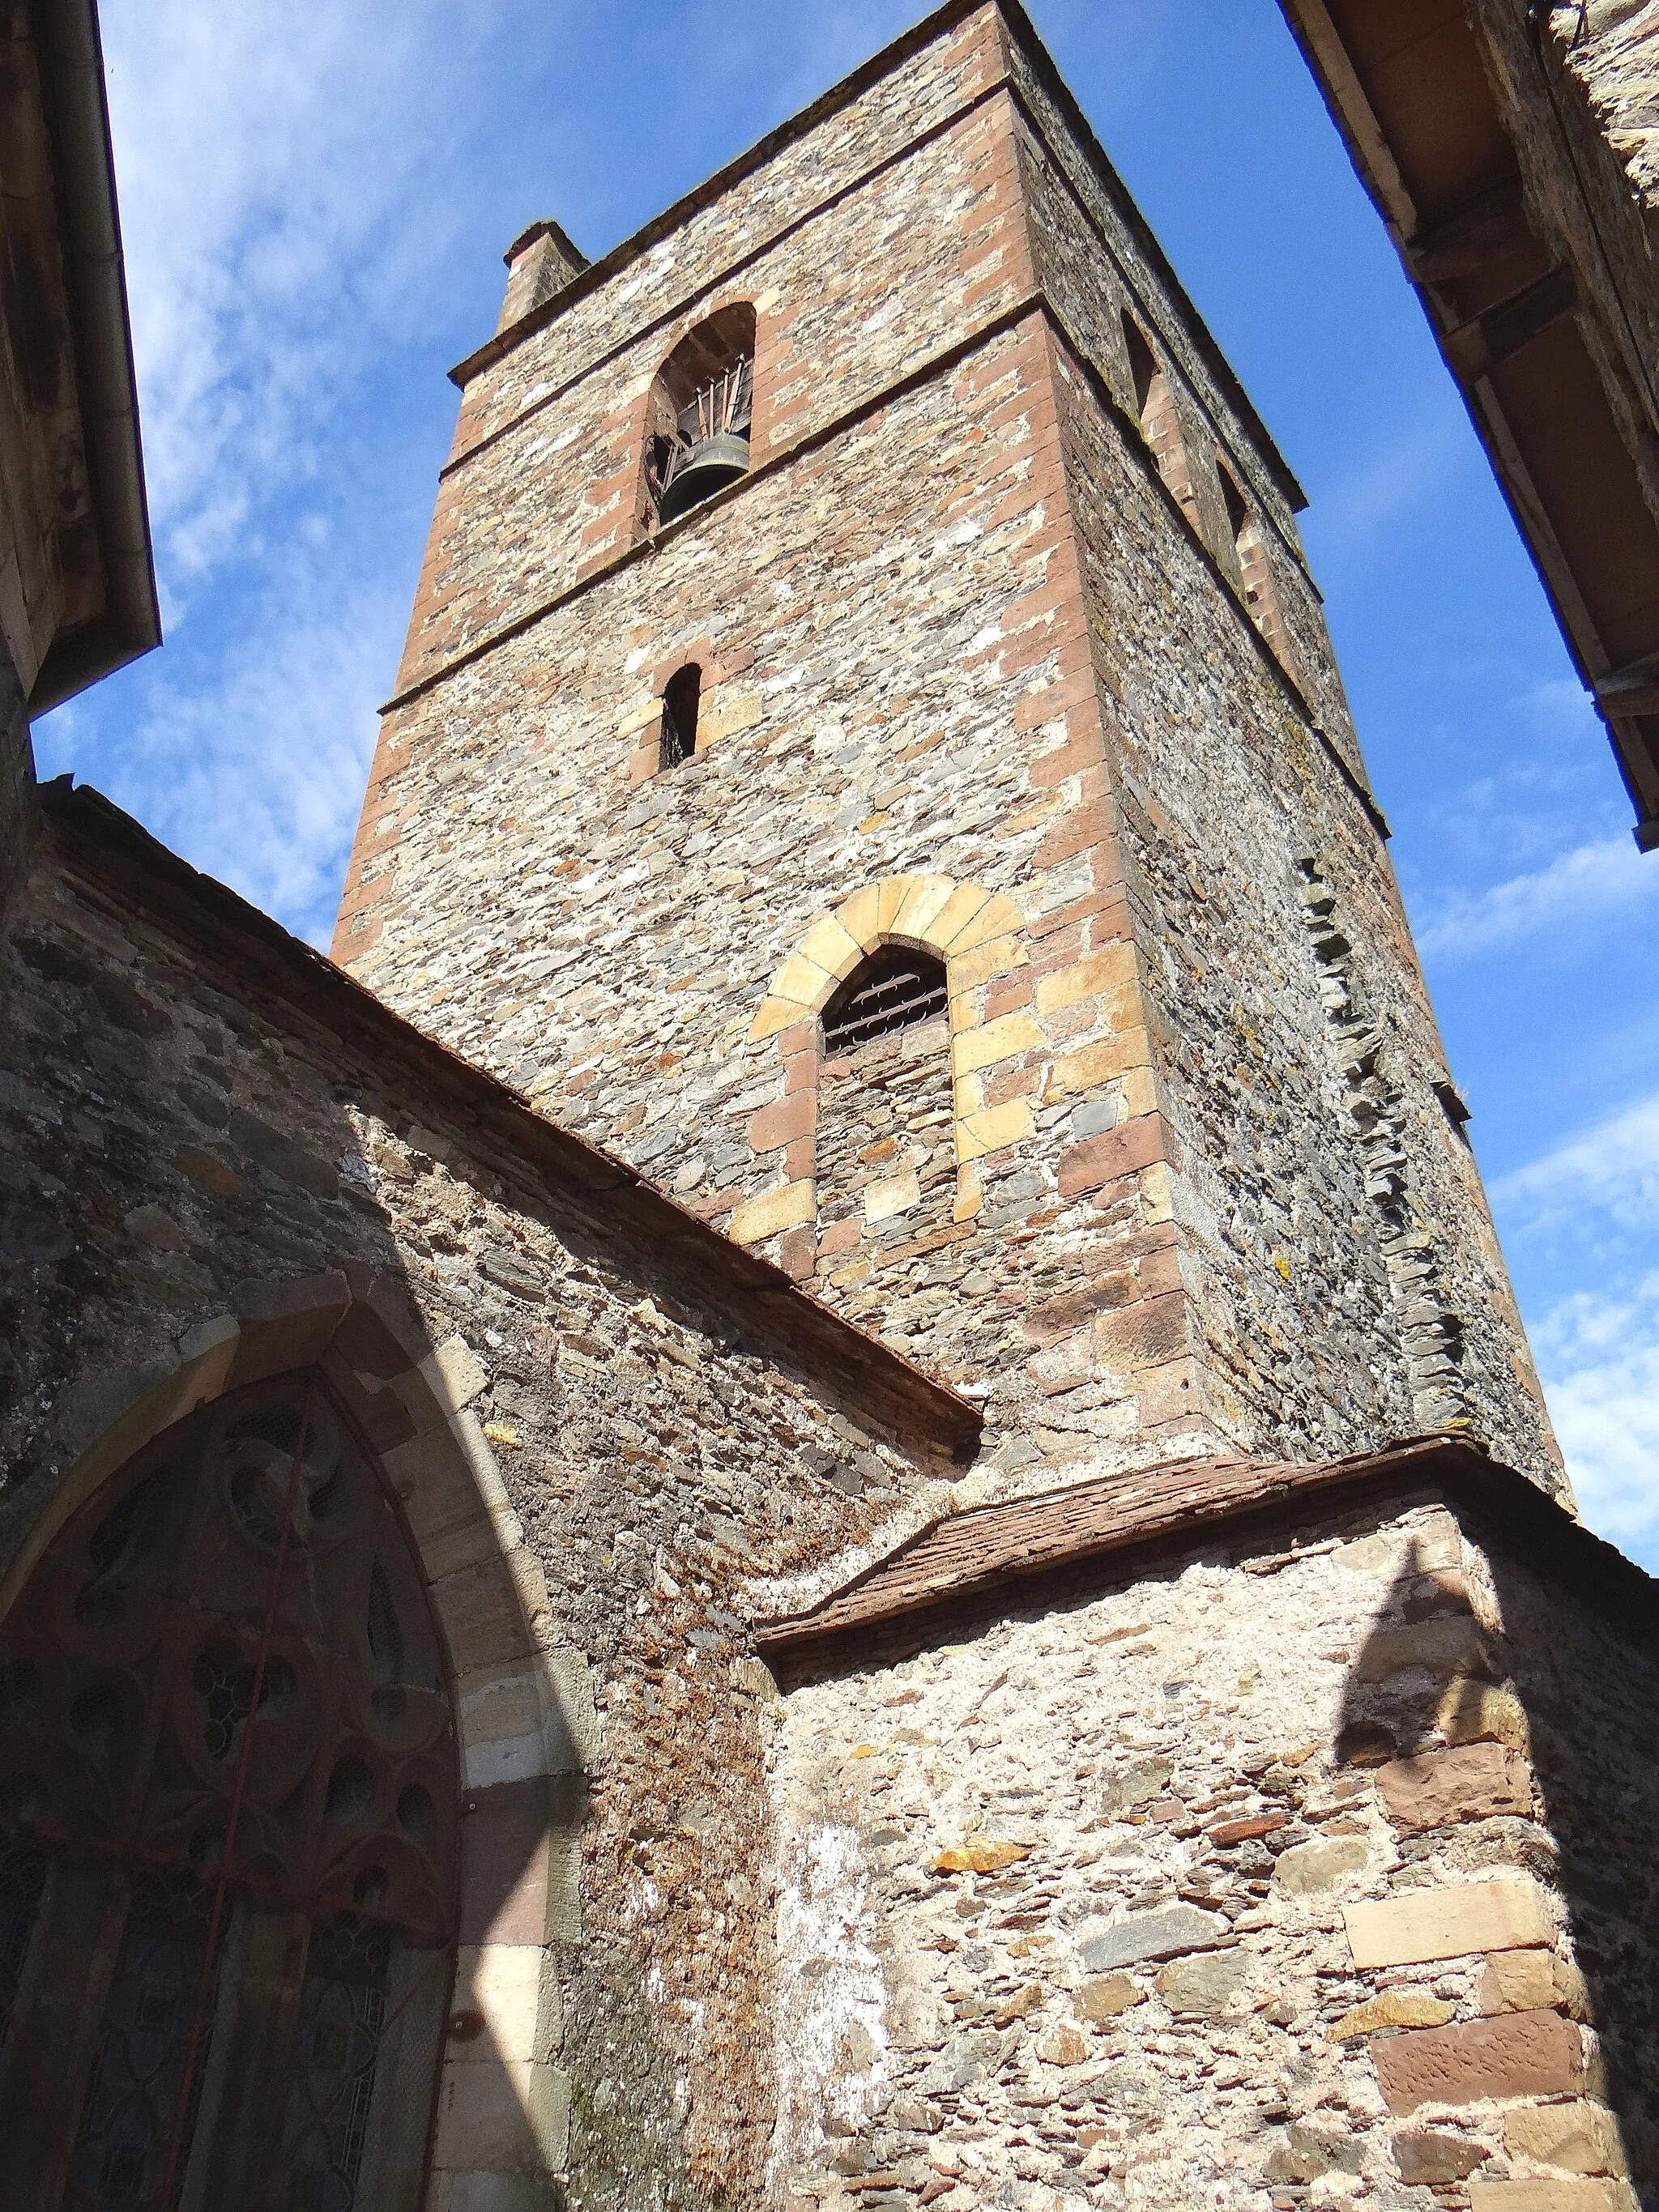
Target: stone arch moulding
524,1708
978,934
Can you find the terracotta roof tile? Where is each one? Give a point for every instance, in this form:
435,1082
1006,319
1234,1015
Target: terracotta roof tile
965,1554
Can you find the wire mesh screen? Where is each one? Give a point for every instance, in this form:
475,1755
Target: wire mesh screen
133,2147
22,1879
896,990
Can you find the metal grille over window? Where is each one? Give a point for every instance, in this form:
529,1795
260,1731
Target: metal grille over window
146,2079
342,2011
23,1878
896,990
227,1781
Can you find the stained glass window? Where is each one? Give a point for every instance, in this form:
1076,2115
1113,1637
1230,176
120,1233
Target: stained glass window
227,1788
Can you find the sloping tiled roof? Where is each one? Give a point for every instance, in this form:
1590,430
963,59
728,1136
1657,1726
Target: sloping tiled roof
966,1555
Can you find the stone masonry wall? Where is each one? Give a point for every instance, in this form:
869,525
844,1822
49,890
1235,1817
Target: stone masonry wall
891,696
179,1147
541,485
1232,813
953,646
885,1161
1232,1885
1079,234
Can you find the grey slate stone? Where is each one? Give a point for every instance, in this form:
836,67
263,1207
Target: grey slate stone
1153,1935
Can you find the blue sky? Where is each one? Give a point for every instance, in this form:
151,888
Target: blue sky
315,207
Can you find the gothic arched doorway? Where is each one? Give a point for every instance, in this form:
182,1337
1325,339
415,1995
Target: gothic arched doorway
228,1788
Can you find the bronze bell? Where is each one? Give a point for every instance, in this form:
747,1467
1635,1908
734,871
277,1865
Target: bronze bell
710,465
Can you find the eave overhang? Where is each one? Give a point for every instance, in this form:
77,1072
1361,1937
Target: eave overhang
1408,89
72,66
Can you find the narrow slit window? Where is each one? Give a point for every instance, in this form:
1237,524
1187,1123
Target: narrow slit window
897,990
679,716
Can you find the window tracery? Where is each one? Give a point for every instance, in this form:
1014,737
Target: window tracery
227,1785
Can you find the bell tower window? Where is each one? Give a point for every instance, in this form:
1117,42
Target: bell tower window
699,416
1254,572
679,716
885,1154
896,990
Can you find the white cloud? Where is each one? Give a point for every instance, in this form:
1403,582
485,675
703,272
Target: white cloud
259,777
1614,1166
290,192
279,202
1576,891
1598,1350
1600,1360
1394,476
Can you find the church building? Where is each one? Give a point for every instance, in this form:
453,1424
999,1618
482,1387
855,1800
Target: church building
819,1490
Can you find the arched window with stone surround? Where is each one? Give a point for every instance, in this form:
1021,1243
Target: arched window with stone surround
698,416
1254,570
1155,410
886,1144
682,696
229,1785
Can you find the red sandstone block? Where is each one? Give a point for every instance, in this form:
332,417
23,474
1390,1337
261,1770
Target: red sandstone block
1148,1334
1080,910
1038,706
1065,761
1520,2054
1131,1146
1008,1082
1076,830
796,1255
1009,993
798,1159
1074,1310
1061,592
1474,1782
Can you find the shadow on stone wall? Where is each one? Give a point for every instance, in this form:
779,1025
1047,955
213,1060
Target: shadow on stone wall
1526,1749
511,1875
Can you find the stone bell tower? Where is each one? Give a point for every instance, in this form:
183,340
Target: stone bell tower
868,753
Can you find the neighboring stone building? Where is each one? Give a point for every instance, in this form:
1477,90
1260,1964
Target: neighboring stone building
927,1662
77,591
1512,148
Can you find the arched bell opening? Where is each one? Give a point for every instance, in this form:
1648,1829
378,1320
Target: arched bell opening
229,1790
699,415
